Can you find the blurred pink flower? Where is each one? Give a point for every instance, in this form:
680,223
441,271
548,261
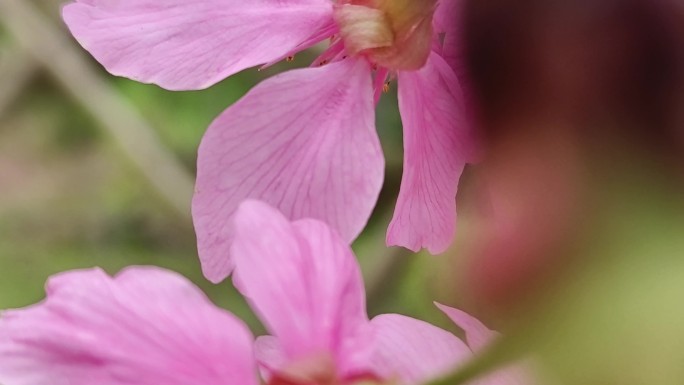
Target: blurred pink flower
148,326
303,141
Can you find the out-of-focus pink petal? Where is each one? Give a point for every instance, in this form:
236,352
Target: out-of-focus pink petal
445,15
436,146
146,326
452,52
447,21
181,44
413,351
304,282
477,334
303,141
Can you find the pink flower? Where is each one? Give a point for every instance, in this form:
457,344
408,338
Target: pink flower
148,326
145,326
303,141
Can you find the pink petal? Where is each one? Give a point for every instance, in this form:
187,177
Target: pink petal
146,326
269,354
303,141
181,44
304,282
414,351
447,21
436,142
445,15
478,335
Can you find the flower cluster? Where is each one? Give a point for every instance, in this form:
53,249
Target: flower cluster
303,141
148,326
287,178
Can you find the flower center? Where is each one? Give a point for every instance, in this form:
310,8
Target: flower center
395,34
319,369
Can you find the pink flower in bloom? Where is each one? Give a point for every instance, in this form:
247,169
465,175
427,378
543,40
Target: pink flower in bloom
148,326
303,141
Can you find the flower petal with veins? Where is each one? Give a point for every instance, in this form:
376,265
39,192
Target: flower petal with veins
187,45
304,282
146,326
303,141
436,147
414,351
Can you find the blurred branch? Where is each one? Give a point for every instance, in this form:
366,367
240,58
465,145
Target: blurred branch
49,46
16,70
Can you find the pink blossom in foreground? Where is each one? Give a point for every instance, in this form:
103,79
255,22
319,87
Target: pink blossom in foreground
144,326
149,326
303,141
